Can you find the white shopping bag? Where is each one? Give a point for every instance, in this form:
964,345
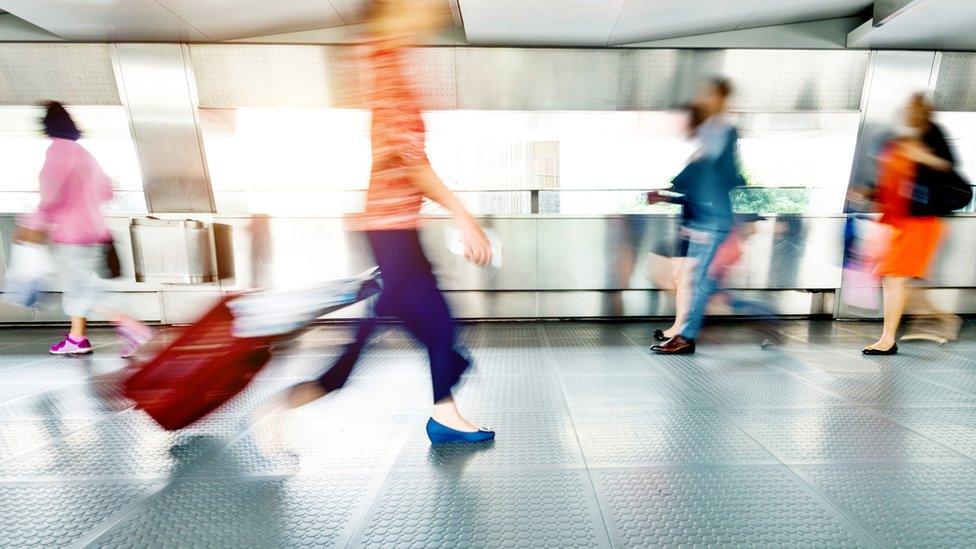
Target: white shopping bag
30,265
455,244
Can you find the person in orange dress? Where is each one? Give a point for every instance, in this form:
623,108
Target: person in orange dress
400,178
913,239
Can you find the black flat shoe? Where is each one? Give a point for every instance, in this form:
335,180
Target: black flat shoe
659,335
893,350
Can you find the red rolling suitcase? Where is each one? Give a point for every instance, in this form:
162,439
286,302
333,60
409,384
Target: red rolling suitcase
210,362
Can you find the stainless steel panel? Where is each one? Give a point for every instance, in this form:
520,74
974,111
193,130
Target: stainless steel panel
291,251
893,77
955,264
140,305
518,270
173,251
156,86
956,87
472,304
542,79
75,74
186,307
792,252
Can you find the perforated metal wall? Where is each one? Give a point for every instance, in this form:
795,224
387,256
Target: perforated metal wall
307,76
649,79
434,71
75,74
789,81
956,88
262,75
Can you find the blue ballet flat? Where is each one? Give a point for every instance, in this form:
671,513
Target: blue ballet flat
440,434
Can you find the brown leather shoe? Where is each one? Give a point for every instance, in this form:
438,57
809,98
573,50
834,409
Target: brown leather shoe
677,345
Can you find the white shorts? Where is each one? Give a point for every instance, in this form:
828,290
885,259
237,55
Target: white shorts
77,266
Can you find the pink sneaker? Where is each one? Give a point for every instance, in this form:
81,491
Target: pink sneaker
133,337
68,346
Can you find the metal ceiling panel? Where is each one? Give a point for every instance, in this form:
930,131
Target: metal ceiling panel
105,20
790,11
540,22
642,20
928,25
75,74
351,11
227,19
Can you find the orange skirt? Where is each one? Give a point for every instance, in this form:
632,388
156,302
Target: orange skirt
912,245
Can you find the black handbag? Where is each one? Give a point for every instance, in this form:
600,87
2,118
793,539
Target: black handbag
940,193
113,267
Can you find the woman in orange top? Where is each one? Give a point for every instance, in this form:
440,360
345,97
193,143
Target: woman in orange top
914,240
401,177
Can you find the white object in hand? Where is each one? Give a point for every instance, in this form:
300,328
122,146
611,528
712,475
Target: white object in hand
455,244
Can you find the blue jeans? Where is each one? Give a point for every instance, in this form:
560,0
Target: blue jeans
702,245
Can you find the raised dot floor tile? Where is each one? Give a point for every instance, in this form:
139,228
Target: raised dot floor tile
269,512
904,505
526,439
130,445
630,438
508,362
510,392
838,435
952,427
61,514
484,509
23,435
760,389
749,506
93,399
589,392
964,381
603,363
307,444
888,388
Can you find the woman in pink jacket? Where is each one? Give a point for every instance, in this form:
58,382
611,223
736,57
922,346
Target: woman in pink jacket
73,190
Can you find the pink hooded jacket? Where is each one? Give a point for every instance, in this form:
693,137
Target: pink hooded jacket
73,190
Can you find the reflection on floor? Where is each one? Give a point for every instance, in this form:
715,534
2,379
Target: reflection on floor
599,442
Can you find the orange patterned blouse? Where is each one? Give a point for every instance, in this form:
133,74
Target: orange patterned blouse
393,200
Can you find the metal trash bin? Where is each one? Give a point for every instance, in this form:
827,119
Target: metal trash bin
172,251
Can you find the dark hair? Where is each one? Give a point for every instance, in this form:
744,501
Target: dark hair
921,99
722,85
58,123
695,116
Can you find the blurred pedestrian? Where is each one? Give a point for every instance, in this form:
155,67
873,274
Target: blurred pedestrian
73,190
919,155
401,177
705,184
674,275
727,256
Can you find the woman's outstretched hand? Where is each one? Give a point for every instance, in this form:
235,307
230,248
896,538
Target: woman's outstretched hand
477,247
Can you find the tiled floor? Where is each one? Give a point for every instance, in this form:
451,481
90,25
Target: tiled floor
599,443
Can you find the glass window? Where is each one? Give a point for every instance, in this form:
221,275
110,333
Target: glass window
106,135
316,161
